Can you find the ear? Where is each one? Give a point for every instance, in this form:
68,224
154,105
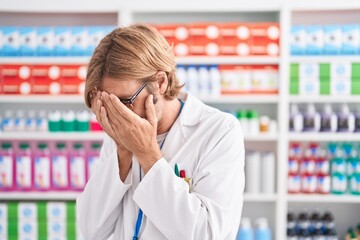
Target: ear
163,81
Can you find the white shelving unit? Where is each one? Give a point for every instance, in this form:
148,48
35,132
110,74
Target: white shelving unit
275,206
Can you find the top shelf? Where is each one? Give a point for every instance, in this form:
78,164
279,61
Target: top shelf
324,59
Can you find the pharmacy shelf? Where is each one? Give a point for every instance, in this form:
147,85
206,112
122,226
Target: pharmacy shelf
245,98
324,5
44,60
324,137
248,197
42,99
263,137
70,196
227,60
318,198
78,136
324,99
325,59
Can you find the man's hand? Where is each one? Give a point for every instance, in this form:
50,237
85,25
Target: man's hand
124,155
136,134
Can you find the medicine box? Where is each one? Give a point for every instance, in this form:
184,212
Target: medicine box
11,41
63,41
80,41
333,39
45,41
298,40
315,40
28,41
351,39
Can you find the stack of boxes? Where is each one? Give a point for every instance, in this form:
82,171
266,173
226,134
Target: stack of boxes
314,79
38,221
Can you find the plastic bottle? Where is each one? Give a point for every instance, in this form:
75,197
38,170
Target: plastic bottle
357,120
204,82
82,121
312,119
8,121
245,231
268,173
181,74
55,121
215,81
19,123
193,80
244,122
253,120
23,167
7,167
60,168
354,184
296,123
329,120
78,167
263,231
291,225
252,172
329,222
42,167
94,124
68,121
42,122
93,159
316,223
30,121
346,119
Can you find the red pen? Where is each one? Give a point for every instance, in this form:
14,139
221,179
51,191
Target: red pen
182,173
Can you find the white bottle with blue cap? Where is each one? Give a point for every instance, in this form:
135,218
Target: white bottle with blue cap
245,231
263,231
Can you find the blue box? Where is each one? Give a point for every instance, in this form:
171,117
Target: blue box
333,39
11,41
315,40
298,40
28,41
80,40
46,41
351,39
96,34
63,41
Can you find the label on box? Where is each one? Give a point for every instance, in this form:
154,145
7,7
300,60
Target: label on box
309,184
16,79
28,41
235,39
77,172
351,39
60,171
94,162
333,39
298,40
315,40
80,41
264,79
46,79
11,41
73,79
310,87
205,39
235,79
56,228
3,229
6,172
42,172
3,212
23,171
340,70
178,36
45,41
56,211
63,41
340,86
96,34
27,211
28,229
309,70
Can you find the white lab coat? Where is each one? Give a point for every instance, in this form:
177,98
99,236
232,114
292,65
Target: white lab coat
208,145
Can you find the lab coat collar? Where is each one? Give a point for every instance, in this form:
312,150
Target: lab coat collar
192,112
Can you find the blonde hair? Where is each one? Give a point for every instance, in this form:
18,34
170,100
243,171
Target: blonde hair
135,52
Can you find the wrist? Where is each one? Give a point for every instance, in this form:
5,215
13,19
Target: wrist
148,160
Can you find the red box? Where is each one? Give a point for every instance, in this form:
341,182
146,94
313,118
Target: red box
72,78
46,79
16,79
205,39
265,39
177,35
235,39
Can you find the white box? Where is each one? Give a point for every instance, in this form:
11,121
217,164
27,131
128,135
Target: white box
63,41
56,211
27,211
340,87
56,228
342,70
333,39
27,229
3,212
309,70
298,40
310,87
315,40
28,41
351,39
3,229
80,41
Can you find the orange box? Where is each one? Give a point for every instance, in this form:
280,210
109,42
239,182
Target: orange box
205,39
235,79
265,39
16,79
235,39
72,78
46,79
177,35
265,79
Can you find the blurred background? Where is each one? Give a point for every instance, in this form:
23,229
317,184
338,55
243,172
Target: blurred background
288,70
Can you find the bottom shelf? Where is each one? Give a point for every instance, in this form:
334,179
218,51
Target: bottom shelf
322,198
66,195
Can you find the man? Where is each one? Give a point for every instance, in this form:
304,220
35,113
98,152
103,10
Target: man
171,167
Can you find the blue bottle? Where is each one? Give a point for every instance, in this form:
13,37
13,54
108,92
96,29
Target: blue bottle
245,231
263,231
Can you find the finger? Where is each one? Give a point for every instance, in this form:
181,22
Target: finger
99,104
111,110
150,110
122,110
94,102
105,122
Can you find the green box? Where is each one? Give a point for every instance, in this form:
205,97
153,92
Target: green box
324,70
324,88
294,88
355,70
355,88
294,70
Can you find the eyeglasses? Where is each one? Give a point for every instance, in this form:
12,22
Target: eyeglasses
130,101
